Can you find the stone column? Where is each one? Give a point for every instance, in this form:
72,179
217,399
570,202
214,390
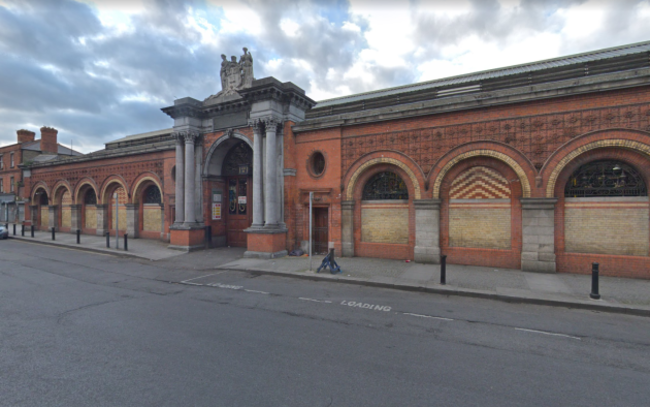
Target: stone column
258,204
190,217
132,220
347,228
75,218
271,181
179,216
280,177
538,234
53,221
427,230
102,219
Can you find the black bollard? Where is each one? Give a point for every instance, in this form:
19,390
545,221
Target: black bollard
126,242
594,282
14,229
443,269
53,236
22,230
108,240
32,230
78,236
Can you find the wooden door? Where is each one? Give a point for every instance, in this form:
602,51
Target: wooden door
320,231
239,209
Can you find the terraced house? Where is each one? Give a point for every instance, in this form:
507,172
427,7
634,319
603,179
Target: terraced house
542,166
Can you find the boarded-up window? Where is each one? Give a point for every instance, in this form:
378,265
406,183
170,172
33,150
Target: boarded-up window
385,222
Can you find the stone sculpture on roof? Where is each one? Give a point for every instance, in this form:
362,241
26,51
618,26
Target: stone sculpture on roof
235,75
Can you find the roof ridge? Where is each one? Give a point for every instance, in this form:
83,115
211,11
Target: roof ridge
493,70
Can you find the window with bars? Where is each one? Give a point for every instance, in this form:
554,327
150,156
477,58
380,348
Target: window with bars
90,198
152,195
605,178
385,185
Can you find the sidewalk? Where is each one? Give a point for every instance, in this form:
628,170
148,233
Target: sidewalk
620,295
139,248
628,296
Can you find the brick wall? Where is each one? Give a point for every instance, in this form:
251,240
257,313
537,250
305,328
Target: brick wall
90,217
122,200
480,224
151,218
45,217
385,223
607,226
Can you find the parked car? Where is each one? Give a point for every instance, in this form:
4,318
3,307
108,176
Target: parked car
4,232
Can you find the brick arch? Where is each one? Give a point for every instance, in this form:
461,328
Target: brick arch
144,180
60,184
219,149
84,181
378,158
36,187
115,179
624,139
520,165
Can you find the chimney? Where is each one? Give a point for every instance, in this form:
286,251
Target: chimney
48,140
25,136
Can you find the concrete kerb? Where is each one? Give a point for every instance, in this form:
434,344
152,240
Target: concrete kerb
80,248
462,292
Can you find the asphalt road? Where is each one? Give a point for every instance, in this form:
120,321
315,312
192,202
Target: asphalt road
81,329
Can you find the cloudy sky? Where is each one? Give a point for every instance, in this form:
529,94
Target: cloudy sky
102,69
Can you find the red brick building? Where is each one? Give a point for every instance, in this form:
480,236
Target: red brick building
541,166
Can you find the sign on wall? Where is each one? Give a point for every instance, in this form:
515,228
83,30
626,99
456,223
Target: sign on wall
216,195
216,211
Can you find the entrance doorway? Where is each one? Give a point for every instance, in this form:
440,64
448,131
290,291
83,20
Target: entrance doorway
239,216
320,231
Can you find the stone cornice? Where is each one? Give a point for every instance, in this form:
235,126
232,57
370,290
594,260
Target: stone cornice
478,100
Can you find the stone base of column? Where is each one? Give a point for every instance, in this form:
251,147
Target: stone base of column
538,235
266,243
187,238
426,255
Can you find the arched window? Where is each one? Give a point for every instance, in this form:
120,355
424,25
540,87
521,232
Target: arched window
90,198
152,195
605,178
385,185
238,161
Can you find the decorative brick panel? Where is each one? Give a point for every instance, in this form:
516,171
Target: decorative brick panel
607,226
385,223
480,183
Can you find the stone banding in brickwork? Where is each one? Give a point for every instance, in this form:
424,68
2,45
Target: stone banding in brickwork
56,188
383,160
628,144
525,185
35,189
134,192
112,180
86,181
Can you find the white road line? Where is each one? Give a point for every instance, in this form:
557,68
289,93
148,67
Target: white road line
547,333
427,316
182,282
313,300
256,292
196,278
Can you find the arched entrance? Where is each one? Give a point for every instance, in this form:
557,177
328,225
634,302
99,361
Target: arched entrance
480,219
41,217
150,211
116,219
88,210
229,169
63,202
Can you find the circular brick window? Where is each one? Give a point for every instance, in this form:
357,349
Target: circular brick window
316,164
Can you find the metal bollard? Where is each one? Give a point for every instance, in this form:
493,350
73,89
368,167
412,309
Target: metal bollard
443,269
32,230
53,236
108,240
14,229
126,242
22,230
594,282
78,236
